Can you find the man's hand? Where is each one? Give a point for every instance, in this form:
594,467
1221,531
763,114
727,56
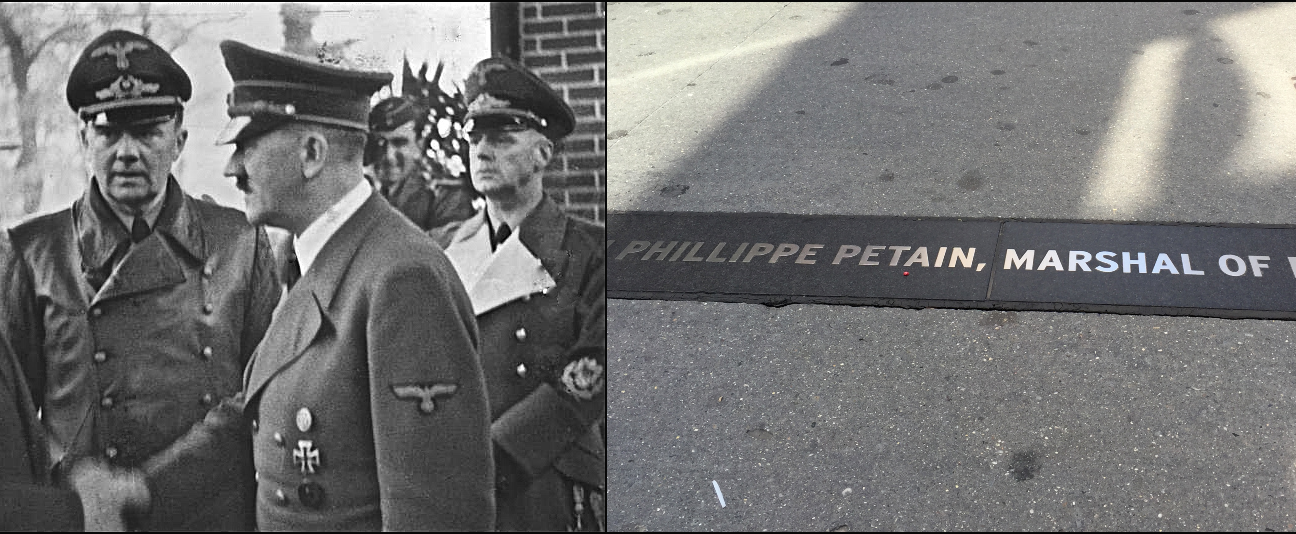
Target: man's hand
106,493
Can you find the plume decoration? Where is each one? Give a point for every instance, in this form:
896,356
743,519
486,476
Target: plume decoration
441,129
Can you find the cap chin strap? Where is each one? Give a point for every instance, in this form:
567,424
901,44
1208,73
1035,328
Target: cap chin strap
89,111
343,123
260,107
274,84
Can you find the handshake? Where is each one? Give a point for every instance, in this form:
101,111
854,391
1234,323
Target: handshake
107,493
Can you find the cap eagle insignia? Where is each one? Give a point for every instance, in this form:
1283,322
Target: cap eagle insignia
425,394
487,69
119,50
126,86
486,101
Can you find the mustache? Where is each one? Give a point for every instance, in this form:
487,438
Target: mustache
241,182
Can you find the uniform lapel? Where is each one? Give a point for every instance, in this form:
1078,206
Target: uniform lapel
543,232
526,263
305,315
295,327
150,264
512,273
469,249
180,221
400,193
98,231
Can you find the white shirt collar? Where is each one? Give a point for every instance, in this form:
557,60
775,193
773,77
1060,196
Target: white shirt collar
312,239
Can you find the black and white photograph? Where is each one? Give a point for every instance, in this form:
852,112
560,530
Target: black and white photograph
303,266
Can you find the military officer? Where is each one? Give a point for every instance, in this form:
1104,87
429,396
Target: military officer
365,403
134,311
536,279
401,169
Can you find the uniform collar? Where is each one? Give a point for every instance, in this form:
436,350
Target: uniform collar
150,214
313,238
332,262
100,231
543,231
405,187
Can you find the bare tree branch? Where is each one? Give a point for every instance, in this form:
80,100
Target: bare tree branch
189,31
36,50
145,23
18,58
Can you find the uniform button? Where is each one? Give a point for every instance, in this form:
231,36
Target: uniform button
281,496
255,425
520,334
207,271
110,452
207,398
278,438
101,356
207,308
106,402
256,475
207,352
521,370
96,312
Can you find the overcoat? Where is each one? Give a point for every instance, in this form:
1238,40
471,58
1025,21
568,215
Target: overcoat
544,351
123,371
29,500
365,403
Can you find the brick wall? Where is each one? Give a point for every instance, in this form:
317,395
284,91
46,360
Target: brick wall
566,44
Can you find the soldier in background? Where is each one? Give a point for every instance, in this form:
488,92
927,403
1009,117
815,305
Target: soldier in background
135,310
536,277
401,171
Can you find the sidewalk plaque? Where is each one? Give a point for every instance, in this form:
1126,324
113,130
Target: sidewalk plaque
776,259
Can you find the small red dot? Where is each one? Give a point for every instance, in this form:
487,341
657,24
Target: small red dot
906,273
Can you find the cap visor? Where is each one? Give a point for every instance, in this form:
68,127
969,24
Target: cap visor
244,127
232,129
499,119
132,116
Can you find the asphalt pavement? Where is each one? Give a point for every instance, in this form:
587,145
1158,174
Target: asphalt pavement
815,417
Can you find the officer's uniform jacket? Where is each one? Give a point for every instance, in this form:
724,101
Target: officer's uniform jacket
541,307
429,207
122,372
365,404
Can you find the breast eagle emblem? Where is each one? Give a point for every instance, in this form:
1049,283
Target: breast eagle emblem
425,394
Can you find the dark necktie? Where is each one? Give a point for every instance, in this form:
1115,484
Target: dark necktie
139,230
292,269
500,235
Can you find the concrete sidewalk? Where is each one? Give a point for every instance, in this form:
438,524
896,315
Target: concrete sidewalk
820,417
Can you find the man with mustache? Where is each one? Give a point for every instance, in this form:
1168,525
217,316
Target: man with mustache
134,311
401,170
364,406
536,277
